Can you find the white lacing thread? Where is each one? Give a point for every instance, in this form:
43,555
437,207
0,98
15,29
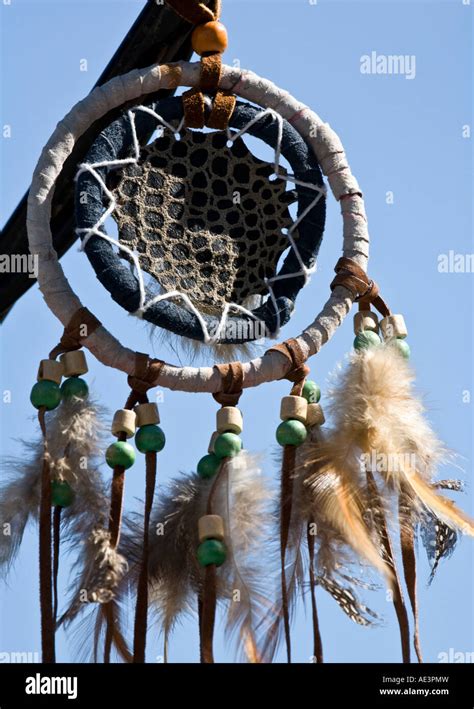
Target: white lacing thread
95,230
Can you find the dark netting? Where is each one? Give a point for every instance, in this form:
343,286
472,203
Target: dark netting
204,217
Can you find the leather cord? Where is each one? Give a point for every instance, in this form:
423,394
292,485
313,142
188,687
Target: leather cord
407,543
398,600
351,276
296,373
82,324
45,558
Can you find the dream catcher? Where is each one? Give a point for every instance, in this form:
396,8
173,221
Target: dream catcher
213,245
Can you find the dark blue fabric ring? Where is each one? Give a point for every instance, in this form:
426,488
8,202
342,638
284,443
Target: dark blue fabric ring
116,141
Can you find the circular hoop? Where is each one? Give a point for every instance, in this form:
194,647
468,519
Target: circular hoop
329,152
116,142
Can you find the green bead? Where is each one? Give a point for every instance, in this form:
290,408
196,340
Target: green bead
311,392
208,466
291,433
150,438
74,387
366,339
402,347
211,551
62,494
227,445
45,393
120,454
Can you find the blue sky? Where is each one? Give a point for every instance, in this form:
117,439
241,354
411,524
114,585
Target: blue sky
402,136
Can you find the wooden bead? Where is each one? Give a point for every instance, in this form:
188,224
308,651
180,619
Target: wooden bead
293,407
74,363
230,419
209,37
147,414
50,370
214,437
393,326
315,416
365,320
211,527
124,422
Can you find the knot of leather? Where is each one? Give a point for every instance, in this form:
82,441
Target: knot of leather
364,290
223,104
82,324
298,370
232,378
195,12
146,373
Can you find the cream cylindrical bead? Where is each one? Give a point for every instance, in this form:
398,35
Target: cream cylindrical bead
211,527
74,363
294,407
393,326
212,441
365,320
147,414
50,370
315,415
124,422
229,418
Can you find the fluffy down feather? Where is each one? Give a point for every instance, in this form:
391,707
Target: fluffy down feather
379,424
74,432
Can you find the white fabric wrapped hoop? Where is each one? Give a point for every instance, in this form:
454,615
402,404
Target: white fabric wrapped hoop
327,147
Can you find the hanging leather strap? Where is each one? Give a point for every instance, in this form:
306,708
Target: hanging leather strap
363,289
317,641
82,324
56,547
45,560
208,599
146,373
398,600
223,102
232,377
297,372
196,12
141,609
407,543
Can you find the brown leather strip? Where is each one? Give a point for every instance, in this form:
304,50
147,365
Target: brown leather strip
141,610
82,324
195,12
209,593
286,504
232,376
407,541
222,109
211,69
45,562
146,373
208,620
398,601
116,505
194,109
298,370
56,548
317,641
363,289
